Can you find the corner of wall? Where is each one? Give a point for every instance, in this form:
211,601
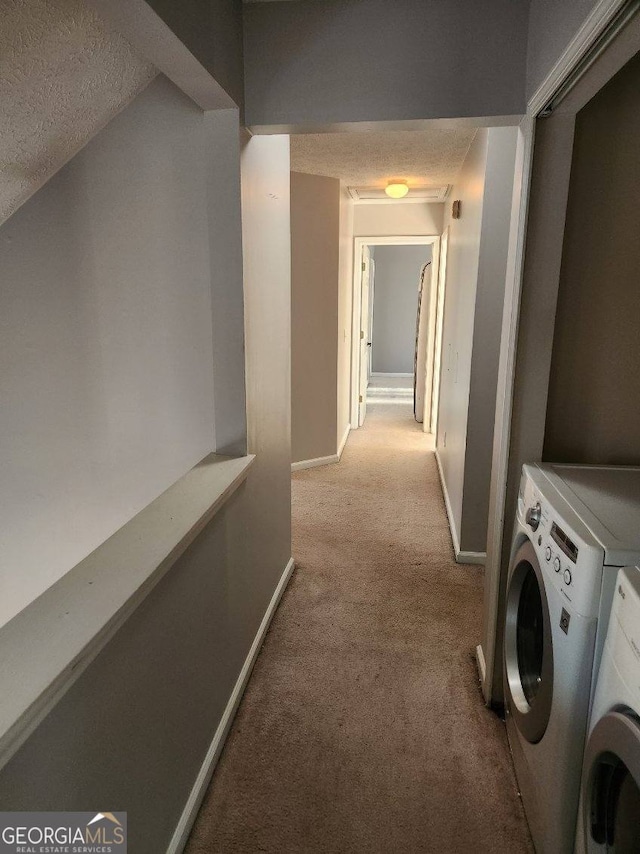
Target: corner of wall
345,309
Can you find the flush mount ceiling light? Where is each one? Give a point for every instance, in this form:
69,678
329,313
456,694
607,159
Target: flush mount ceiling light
396,189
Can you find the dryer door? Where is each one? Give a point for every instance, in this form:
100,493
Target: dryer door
611,785
528,650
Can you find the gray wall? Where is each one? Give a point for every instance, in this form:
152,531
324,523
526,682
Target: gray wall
487,328
227,298
315,227
593,413
400,219
266,232
106,340
457,332
212,30
476,270
552,25
397,275
134,729
371,60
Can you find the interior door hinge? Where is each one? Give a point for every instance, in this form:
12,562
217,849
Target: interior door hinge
360,399
361,334
364,266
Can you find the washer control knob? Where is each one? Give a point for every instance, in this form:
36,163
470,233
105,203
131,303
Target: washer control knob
532,517
556,564
547,553
567,576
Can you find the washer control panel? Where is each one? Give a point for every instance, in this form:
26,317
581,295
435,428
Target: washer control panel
558,562
568,555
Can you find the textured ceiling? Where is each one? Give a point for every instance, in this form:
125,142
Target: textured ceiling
63,75
431,157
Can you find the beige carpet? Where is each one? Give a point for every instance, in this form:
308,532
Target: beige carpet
363,728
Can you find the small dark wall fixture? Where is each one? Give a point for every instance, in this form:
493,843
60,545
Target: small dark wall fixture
455,209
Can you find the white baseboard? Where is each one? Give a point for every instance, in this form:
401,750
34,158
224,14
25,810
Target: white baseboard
460,556
482,666
447,503
479,558
318,461
384,374
323,461
183,829
343,441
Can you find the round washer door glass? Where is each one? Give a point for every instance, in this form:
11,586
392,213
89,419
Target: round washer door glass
626,813
528,647
612,805
530,635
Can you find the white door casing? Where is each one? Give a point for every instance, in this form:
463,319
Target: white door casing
365,333
372,286
422,345
356,328
438,320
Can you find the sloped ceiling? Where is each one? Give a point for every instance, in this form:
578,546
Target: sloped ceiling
63,75
430,157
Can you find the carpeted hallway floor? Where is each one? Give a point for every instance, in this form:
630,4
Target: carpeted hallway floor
363,728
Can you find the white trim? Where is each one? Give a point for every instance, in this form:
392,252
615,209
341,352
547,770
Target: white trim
430,344
301,465
398,240
594,24
447,503
407,200
356,299
384,374
482,667
196,796
391,125
317,461
430,195
504,396
439,326
356,308
460,556
475,558
343,441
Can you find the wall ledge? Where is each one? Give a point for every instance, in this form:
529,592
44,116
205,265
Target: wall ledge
46,647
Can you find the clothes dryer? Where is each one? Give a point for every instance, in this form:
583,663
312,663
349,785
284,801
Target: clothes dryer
575,526
610,803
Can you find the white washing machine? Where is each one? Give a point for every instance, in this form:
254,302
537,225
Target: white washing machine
575,526
609,818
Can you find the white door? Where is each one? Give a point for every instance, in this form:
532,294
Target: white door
439,319
372,283
365,335
422,334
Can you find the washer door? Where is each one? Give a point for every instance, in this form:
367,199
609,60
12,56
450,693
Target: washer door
611,785
528,648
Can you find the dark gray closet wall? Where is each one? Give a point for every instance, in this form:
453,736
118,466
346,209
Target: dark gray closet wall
593,413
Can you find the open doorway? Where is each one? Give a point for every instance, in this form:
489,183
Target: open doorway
397,323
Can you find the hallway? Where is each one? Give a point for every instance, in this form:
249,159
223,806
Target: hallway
363,727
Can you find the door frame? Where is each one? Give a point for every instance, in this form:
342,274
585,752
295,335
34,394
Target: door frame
529,313
440,274
367,270
432,240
